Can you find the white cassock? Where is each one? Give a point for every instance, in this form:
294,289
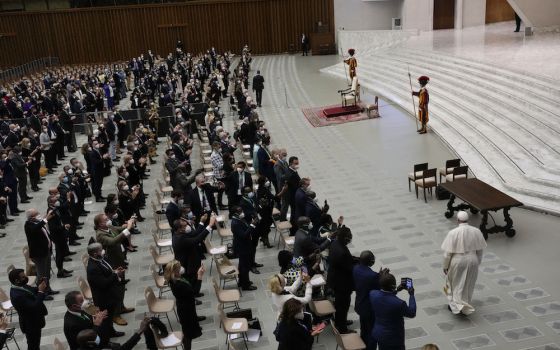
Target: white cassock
462,249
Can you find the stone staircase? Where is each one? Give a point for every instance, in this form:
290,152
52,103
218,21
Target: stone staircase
505,125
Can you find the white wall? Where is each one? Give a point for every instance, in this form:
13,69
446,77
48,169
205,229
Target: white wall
365,15
418,14
537,13
474,13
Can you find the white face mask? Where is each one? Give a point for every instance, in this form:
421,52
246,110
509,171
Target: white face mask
300,315
188,229
109,223
115,216
85,305
310,226
250,195
70,172
103,253
125,188
180,201
97,340
241,216
182,270
267,184
131,161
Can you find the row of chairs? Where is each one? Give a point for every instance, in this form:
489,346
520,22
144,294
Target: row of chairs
426,178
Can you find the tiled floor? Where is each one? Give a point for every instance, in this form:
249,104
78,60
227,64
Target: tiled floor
360,168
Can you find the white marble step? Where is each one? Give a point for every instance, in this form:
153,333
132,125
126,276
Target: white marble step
544,84
539,143
516,92
486,161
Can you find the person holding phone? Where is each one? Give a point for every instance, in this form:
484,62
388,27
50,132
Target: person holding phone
389,312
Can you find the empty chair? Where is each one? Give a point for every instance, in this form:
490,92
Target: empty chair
216,252
449,165
352,94
173,339
233,325
29,264
226,296
417,173
58,345
225,234
159,306
164,189
280,227
159,280
350,341
159,259
162,243
162,201
84,288
6,304
227,271
460,172
428,180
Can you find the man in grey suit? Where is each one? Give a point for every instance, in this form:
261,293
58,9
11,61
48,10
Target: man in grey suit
280,171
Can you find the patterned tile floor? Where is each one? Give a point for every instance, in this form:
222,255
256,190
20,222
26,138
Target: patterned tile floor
360,168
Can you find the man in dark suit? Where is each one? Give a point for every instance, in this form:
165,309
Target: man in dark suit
12,138
341,264
301,197
20,172
112,130
96,161
365,281
10,182
390,311
58,230
76,319
304,45
258,86
306,244
237,182
202,197
186,245
107,288
293,182
28,302
173,210
243,245
87,339
40,246
266,163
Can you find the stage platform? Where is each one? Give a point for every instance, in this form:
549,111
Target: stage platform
500,119
338,111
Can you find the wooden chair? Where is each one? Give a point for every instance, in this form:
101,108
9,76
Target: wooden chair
350,341
449,165
32,279
159,259
162,226
159,280
177,337
227,272
6,305
29,264
428,180
460,172
351,94
159,306
215,252
163,202
164,189
162,243
417,173
58,345
226,296
85,288
225,234
280,227
233,325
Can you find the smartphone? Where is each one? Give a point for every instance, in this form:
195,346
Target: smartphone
406,282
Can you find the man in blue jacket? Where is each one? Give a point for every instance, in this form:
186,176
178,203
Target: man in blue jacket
389,312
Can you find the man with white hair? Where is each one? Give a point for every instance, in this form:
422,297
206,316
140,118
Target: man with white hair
462,247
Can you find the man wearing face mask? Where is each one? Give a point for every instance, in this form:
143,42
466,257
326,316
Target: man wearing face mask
237,182
28,302
243,245
59,233
107,288
249,206
173,209
77,319
112,238
10,182
281,170
202,196
304,243
293,182
341,264
96,161
186,242
40,246
20,172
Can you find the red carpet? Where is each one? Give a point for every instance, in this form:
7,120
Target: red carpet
316,115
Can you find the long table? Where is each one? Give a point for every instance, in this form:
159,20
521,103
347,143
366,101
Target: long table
478,196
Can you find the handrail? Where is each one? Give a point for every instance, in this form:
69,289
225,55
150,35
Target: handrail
17,72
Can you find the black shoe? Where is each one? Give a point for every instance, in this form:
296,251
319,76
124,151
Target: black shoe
63,275
249,288
257,265
349,322
15,214
200,318
83,214
67,271
24,201
77,238
99,200
86,212
19,211
255,271
48,297
74,243
53,292
347,331
9,220
199,295
117,334
66,259
28,198
70,253
197,302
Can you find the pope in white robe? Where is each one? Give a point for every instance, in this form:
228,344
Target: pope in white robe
462,247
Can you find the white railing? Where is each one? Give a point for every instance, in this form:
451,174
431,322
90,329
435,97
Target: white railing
367,41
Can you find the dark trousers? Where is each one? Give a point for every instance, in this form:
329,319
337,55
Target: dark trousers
341,305
233,200
304,49
517,22
97,182
366,325
245,263
293,219
194,281
59,146
49,161
34,176
12,199
258,93
33,337
22,187
61,247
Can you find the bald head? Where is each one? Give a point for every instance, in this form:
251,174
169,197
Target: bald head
31,213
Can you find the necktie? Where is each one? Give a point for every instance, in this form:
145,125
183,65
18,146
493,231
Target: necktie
204,202
241,180
46,233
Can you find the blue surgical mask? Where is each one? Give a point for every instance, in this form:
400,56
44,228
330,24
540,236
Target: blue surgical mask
190,215
250,195
97,340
